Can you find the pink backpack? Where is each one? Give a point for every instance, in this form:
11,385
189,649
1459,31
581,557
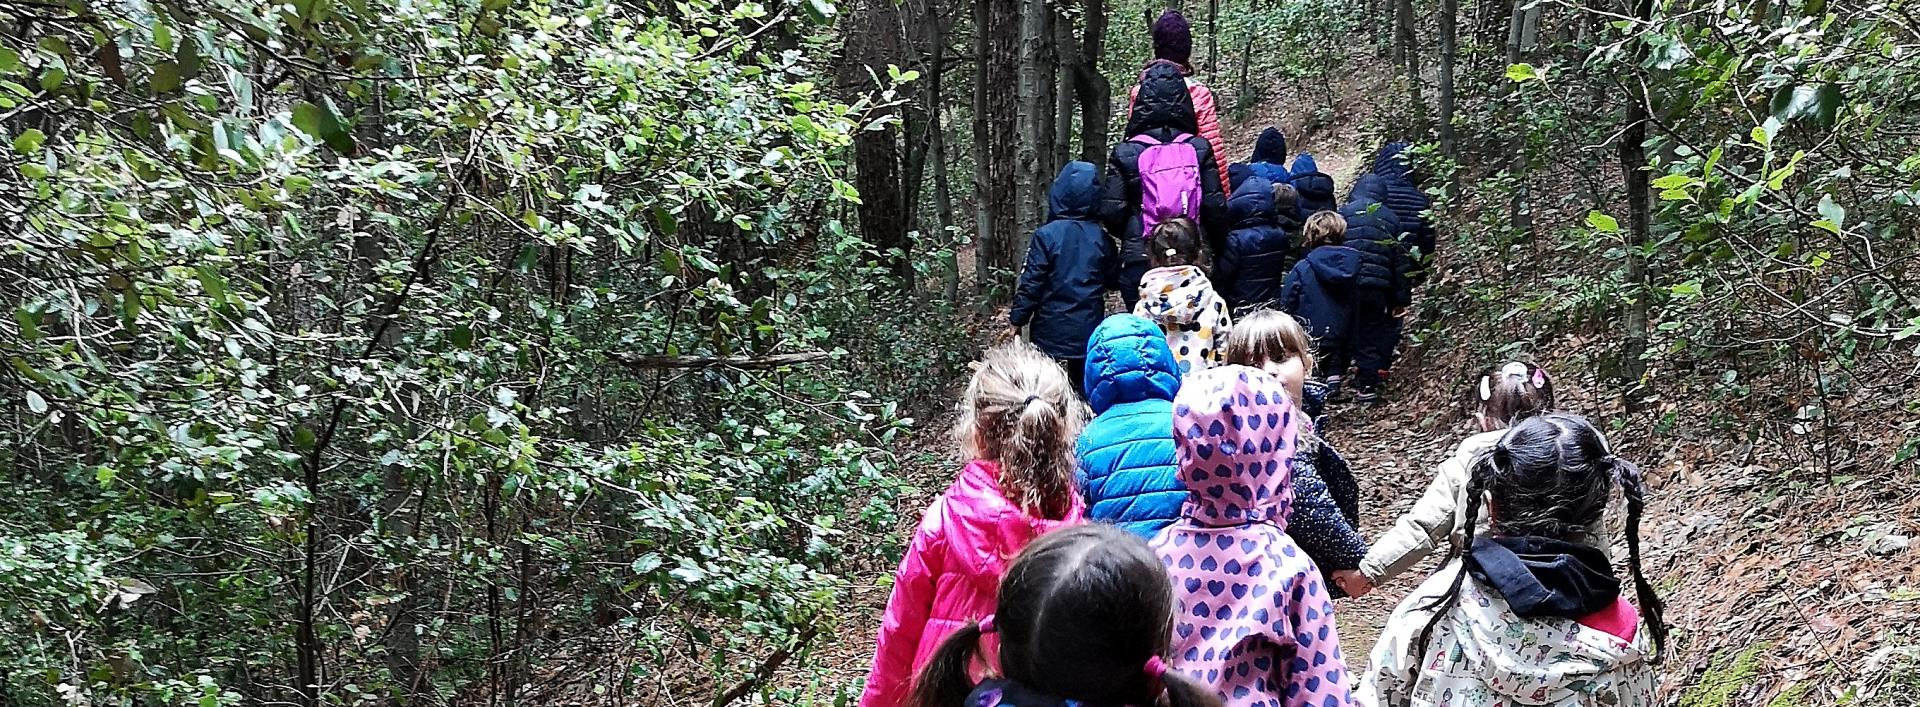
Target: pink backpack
1169,181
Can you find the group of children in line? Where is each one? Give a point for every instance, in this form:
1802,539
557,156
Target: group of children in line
1185,544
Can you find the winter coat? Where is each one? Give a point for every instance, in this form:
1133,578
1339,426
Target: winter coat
1269,161
1193,316
1319,290
1250,268
1384,264
950,575
1483,653
1439,515
1252,617
1406,199
1314,187
1206,112
1323,521
1070,266
1126,452
1163,110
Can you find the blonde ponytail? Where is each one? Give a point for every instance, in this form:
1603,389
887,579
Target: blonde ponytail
1020,411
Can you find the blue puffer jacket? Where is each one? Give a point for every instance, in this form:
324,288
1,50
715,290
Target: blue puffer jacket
1070,266
1127,468
1252,266
1319,291
1405,197
1315,188
1373,230
1269,160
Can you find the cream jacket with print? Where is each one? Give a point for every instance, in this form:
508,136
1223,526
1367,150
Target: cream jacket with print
1438,516
1484,655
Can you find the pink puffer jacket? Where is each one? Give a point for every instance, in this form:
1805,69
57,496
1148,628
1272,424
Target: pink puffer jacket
951,575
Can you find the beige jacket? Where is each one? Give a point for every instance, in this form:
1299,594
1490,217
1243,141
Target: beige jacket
1438,516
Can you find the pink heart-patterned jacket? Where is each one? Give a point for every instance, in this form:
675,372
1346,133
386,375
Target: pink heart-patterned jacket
1251,617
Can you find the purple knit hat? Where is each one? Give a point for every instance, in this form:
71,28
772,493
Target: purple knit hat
1173,38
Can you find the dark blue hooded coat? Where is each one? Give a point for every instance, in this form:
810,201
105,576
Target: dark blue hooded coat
1319,291
1127,468
1373,230
1252,265
1405,197
1269,160
1315,188
1070,266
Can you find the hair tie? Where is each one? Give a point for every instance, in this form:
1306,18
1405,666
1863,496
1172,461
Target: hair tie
1172,252
1514,369
986,625
1030,399
1156,669
1539,377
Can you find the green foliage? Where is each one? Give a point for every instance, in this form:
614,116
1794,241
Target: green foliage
1724,679
317,314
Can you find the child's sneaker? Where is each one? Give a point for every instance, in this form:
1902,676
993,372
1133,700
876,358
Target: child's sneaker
1367,396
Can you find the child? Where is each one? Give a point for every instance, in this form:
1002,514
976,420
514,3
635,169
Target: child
1505,396
1408,202
1315,187
1250,267
1381,293
1070,266
1162,171
1173,46
1252,616
1017,422
1177,295
1319,291
1126,453
1541,621
1326,506
1269,160
1085,613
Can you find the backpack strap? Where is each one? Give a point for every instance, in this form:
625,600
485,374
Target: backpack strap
1182,137
1145,139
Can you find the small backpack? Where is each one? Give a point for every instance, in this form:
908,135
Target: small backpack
1169,181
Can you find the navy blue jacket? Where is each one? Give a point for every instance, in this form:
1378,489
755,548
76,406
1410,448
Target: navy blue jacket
1163,110
1269,160
1325,507
1373,230
1319,290
1315,187
1070,266
1126,454
1404,196
1252,265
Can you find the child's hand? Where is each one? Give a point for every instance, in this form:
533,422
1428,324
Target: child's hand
1356,585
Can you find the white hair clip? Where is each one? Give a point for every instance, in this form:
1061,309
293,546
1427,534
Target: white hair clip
1172,252
1514,369
1486,388
1539,377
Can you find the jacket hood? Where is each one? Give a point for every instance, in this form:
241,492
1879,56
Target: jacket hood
1075,192
1334,264
1236,431
1391,161
1176,295
1163,102
1545,577
1549,661
1304,164
1271,147
1251,203
1128,361
1369,189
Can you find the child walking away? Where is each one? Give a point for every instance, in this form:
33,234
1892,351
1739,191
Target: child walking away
1269,161
1253,263
1320,289
1381,293
1126,452
1084,615
1251,616
1162,171
1177,295
1529,613
1501,397
1408,202
1326,498
1315,187
1173,46
1017,422
1070,266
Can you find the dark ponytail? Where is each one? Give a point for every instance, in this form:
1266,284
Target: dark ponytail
1183,691
1634,487
944,681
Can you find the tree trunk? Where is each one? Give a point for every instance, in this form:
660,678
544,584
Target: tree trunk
984,240
997,70
1213,38
1408,48
1066,61
1519,43
1035,115
873,43
1096,100
1449,20
942,186
1633,162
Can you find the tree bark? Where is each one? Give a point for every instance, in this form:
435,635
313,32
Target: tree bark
995,130
1408,49
1519,44
1096,98
942,186
1449,29
872,43
1066,61
1035,114
1633,163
